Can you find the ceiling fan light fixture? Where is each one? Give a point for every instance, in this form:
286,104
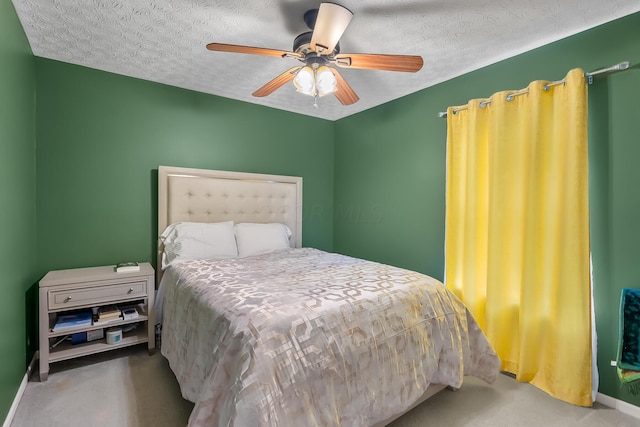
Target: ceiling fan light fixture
305,81
315,81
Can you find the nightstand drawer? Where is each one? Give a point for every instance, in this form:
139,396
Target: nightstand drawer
64,299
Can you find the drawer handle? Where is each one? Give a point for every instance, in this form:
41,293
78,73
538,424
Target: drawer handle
130,290
67,299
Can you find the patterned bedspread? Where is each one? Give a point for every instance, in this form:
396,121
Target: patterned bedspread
303,337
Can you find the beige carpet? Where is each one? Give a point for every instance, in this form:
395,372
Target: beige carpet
130,388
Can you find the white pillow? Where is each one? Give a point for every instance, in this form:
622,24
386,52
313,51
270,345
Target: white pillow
255,239
197,240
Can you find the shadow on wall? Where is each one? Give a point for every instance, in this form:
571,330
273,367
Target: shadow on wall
31,321
154,217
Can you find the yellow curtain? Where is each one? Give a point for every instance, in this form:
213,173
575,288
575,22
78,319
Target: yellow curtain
517,230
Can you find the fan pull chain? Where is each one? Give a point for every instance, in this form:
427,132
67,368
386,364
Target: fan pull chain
315,100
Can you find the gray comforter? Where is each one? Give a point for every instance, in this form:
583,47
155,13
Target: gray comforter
303,337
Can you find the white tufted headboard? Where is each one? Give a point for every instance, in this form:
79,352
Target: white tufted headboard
200,195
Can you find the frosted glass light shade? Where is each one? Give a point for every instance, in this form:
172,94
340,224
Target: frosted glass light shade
305,81
325,81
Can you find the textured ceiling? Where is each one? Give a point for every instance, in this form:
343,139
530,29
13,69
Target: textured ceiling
164,40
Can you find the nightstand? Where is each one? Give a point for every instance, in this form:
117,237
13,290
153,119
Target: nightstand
66,291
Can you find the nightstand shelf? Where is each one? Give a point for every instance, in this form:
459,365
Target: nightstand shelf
141,318
68,351
64,291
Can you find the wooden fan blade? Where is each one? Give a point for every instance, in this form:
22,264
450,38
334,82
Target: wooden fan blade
234,48
276,83
344,92
330,24
367,61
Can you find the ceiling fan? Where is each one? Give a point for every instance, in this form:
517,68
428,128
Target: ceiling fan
317,50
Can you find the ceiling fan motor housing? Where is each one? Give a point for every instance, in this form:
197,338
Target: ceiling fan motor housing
302,45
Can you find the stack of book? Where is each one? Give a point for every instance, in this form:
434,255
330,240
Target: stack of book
107,314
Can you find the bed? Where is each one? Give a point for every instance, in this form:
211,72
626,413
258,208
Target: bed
280,335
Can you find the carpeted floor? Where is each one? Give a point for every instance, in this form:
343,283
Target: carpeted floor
130,388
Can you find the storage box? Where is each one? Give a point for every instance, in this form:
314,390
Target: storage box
80,337
96,334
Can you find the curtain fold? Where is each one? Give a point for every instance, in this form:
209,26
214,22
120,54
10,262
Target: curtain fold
517,230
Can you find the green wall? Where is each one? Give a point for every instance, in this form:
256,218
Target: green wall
101,137
390,169
17,198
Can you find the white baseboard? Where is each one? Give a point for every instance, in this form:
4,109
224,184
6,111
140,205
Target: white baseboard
23,385
620,405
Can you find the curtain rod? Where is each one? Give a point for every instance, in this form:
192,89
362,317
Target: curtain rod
603,71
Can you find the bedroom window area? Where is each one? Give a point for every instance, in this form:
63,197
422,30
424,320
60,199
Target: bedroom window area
517,230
